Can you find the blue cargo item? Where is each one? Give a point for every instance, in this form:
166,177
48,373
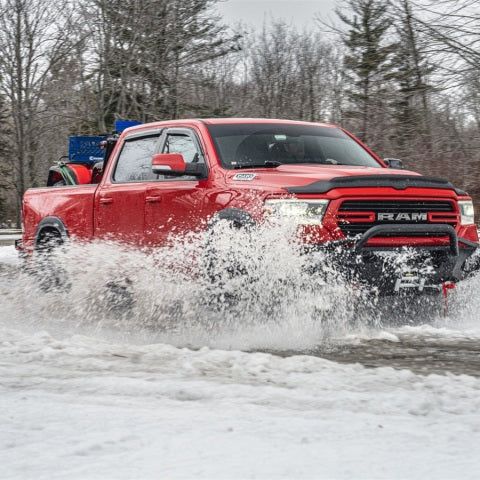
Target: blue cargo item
86,149
121,125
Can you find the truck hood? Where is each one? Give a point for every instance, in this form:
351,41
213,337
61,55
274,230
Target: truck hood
286,176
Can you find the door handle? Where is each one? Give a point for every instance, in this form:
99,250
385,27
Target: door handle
106,201
153,199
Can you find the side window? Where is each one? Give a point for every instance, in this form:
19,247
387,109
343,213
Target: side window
184,144
135,161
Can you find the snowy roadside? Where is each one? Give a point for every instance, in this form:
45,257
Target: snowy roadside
8,255
84,408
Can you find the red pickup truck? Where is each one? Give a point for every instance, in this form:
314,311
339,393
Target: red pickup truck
178,176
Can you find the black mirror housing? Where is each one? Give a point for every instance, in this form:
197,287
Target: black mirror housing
394,163
198,170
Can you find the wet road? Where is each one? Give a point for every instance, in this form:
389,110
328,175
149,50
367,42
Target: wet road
419,353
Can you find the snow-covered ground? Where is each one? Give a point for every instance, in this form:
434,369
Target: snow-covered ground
88,404
8,255
83,408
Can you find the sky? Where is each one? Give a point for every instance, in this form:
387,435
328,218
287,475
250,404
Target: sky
300,13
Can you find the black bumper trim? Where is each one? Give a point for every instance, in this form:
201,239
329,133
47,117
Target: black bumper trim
356,261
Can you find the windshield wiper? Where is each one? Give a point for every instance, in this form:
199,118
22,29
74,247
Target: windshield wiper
266,164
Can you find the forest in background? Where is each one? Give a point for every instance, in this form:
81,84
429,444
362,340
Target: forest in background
403,75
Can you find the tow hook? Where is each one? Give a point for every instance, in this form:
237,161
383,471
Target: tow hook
446,287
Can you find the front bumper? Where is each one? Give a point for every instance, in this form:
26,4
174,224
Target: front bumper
385,268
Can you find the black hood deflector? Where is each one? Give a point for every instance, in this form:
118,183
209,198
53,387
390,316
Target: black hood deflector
398,182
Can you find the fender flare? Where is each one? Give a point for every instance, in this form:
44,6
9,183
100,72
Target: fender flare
54,223
238,217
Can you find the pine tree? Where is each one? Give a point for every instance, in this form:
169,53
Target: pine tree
411,106
368,65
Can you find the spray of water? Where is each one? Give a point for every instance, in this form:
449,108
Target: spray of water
230,288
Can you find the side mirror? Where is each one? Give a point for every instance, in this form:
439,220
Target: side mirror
168,163
394,163
174,164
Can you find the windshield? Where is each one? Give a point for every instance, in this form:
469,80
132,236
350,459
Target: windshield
270,145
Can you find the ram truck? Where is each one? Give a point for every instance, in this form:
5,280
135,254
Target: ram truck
173,177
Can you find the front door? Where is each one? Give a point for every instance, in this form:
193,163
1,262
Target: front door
176,205
120,201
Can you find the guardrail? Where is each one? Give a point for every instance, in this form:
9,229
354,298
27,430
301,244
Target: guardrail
9,235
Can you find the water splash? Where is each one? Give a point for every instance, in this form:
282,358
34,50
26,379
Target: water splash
235,289
231,288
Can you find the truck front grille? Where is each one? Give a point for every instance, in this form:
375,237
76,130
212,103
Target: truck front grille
355,217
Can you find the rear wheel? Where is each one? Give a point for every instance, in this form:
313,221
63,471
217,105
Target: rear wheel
50,274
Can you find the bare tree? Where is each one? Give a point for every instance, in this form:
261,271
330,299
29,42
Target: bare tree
453,27
34,38
146,49
291,74
274,69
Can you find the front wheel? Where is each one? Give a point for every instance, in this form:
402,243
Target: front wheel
226,262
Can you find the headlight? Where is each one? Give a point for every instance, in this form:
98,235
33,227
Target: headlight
302,212
467,212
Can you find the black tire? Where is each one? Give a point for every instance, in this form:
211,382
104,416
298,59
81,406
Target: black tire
234,220
471,267
220,268
50,274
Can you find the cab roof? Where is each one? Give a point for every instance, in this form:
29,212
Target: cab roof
224,121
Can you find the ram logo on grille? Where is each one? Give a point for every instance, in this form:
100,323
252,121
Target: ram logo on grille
402,217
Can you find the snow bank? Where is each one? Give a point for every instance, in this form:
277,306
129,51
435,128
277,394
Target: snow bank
85,408
8,255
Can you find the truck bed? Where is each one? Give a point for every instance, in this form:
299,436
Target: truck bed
73,205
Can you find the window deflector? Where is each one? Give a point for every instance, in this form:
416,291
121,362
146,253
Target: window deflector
132,137
190,133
